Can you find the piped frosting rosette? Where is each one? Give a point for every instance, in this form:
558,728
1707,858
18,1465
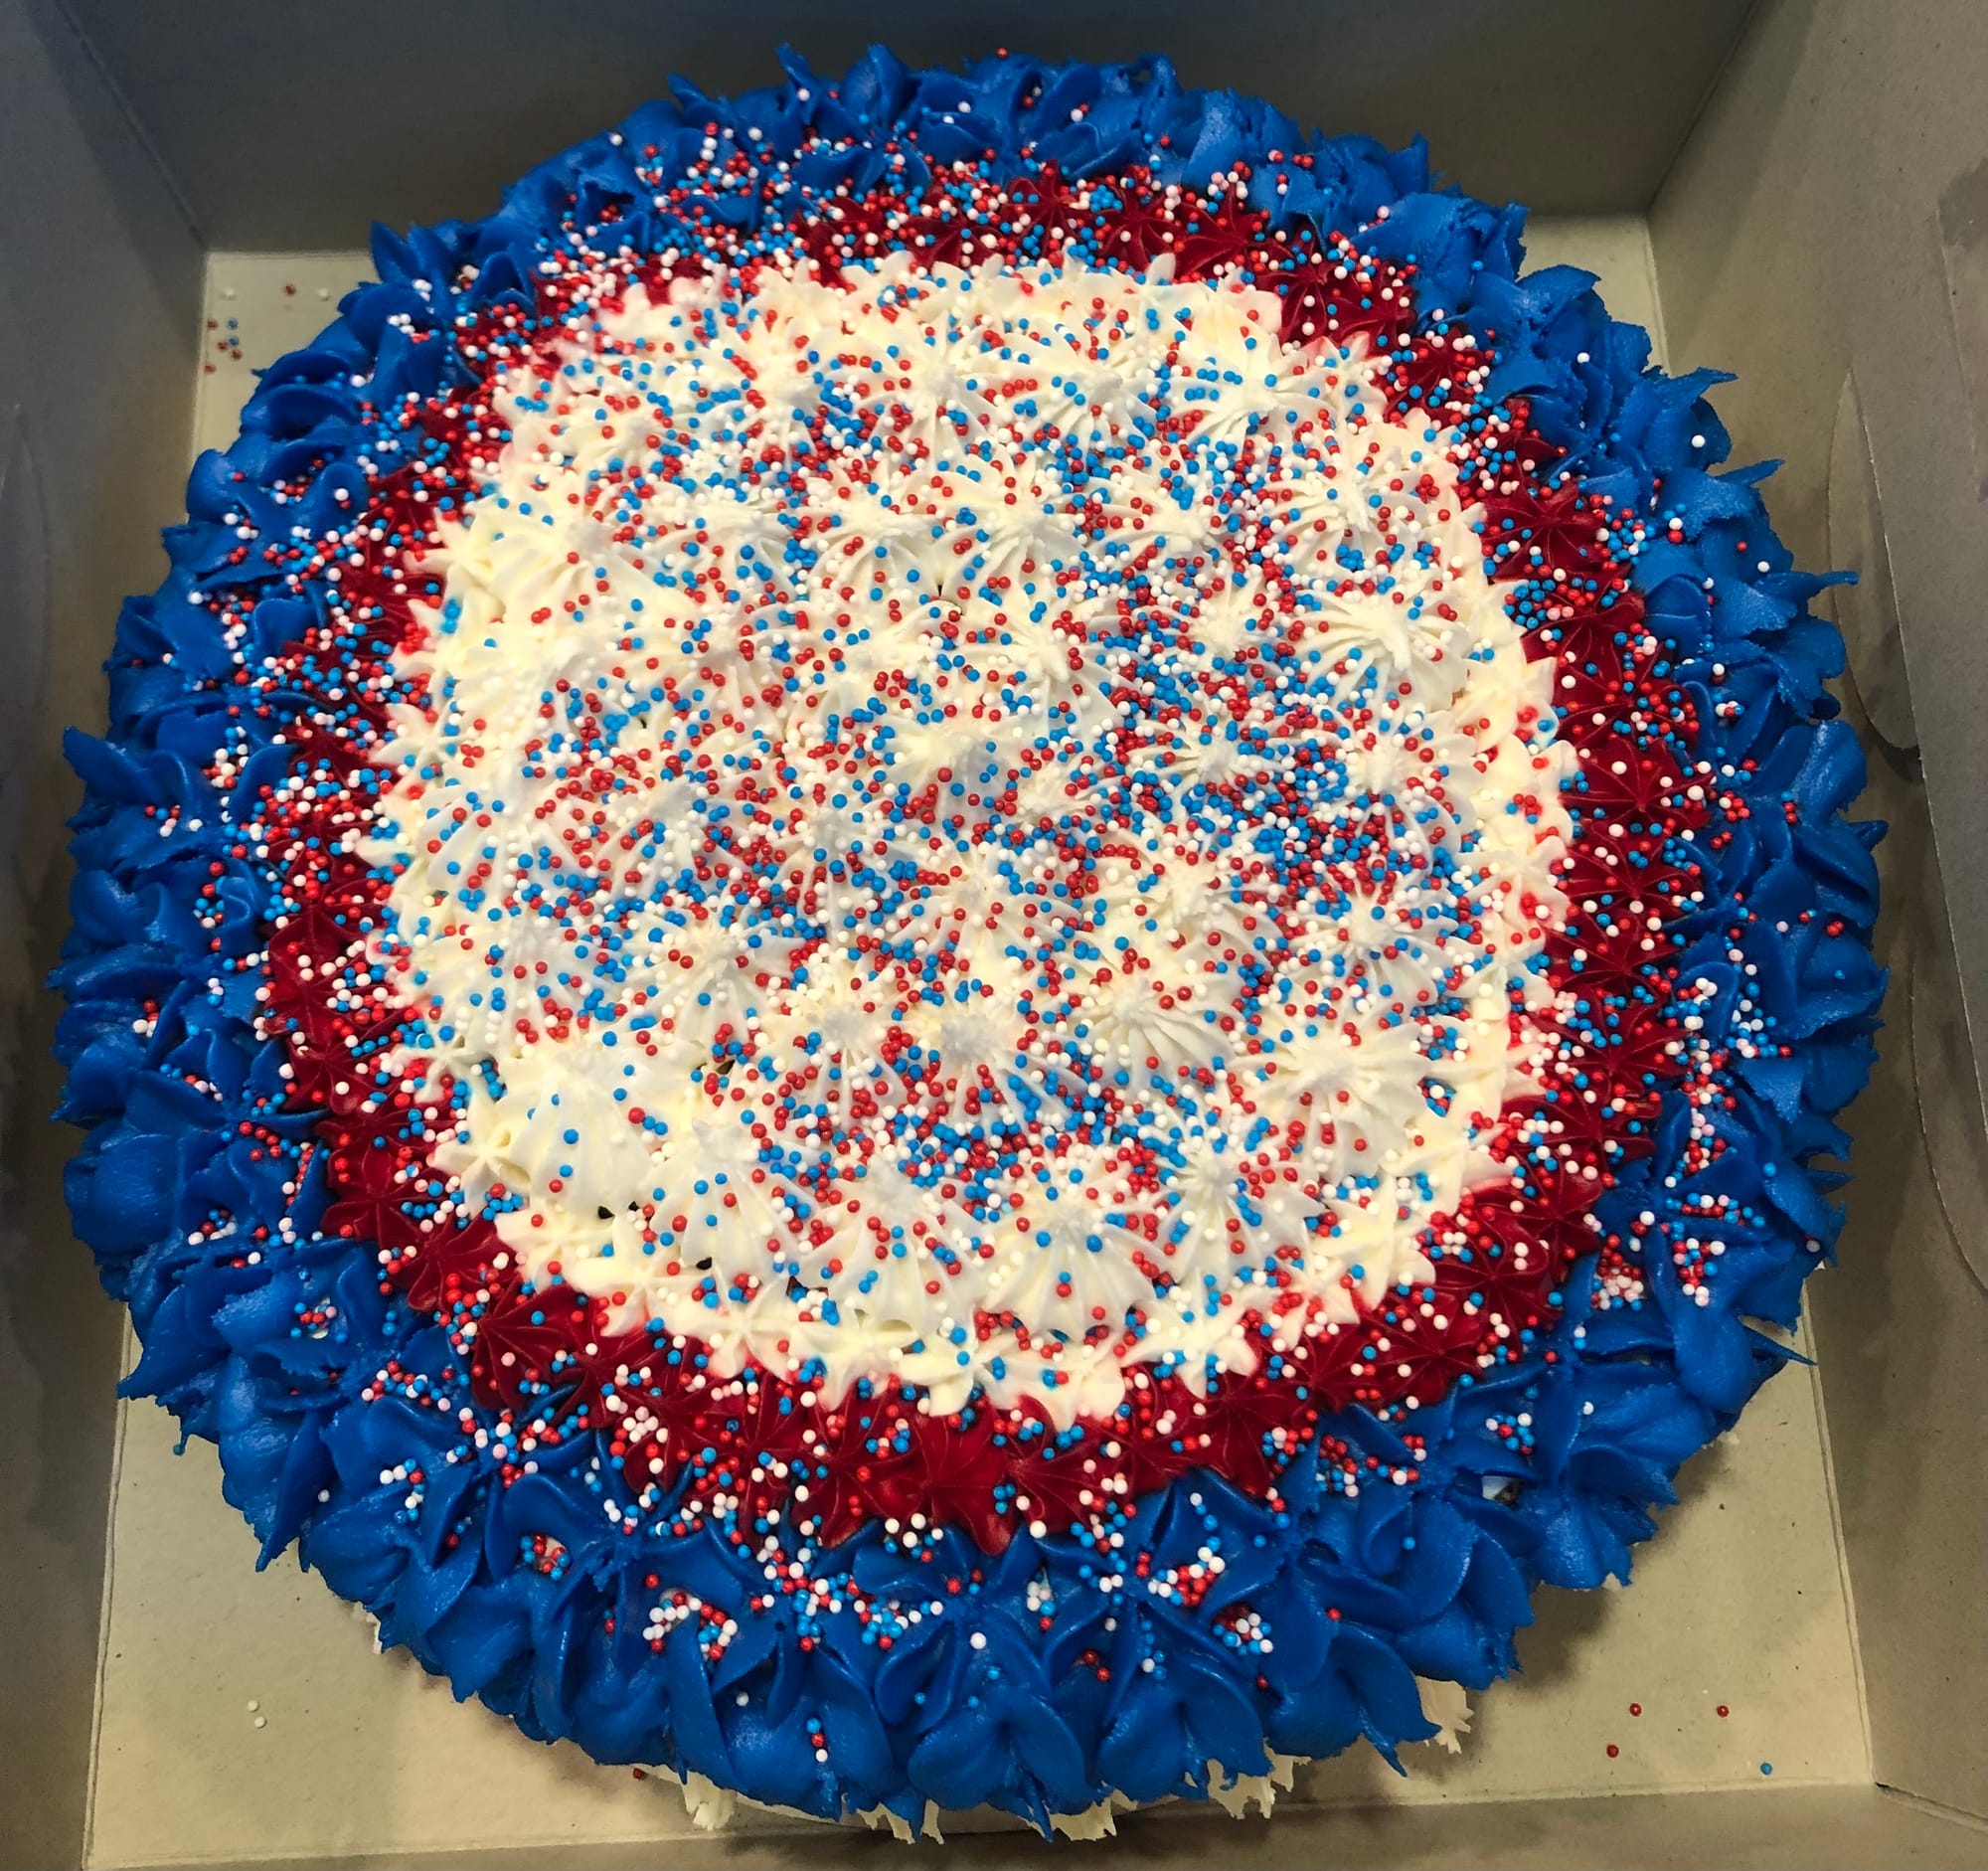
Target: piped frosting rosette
962,940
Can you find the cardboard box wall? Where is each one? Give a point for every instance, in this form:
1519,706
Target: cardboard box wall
1804,174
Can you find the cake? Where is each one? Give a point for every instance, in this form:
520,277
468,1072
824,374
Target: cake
962,940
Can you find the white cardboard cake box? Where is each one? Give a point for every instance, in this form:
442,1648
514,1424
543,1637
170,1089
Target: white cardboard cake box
1795,191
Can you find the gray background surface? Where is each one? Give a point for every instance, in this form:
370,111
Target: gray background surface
291,124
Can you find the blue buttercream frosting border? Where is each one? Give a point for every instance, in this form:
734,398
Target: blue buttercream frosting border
1365,1593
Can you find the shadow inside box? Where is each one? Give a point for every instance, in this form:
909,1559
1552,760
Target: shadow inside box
1567,1624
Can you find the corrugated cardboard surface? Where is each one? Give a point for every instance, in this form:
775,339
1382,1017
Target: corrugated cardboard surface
1797,241
1738,1603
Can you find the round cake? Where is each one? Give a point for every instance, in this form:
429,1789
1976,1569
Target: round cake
962,940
